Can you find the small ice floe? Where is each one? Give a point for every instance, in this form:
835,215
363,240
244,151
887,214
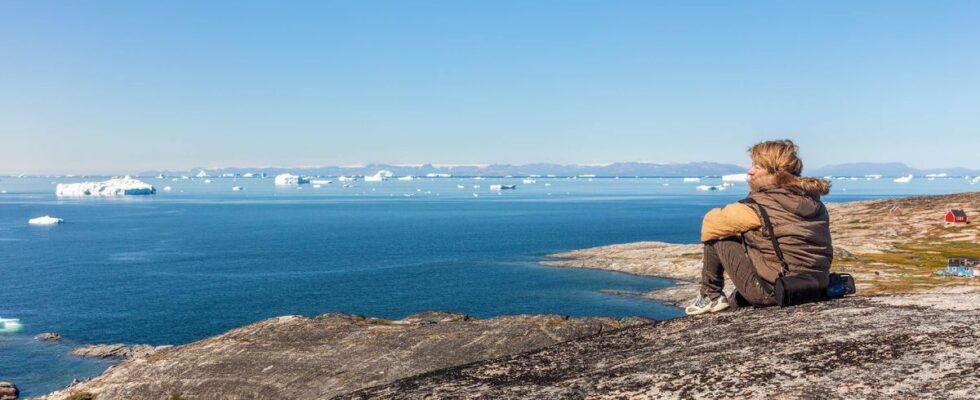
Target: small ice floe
904,179
347,178
290,179
45,220
161,176
735,178
498,188
112,187
167,188
10,325
237,188
406,178
460,187
317,186
872,176
207,181
320,181
529,181
3,192
547,184
476,186
438,175
478,178
692,180
476,195
709,187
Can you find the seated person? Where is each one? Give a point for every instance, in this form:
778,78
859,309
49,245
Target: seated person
736,242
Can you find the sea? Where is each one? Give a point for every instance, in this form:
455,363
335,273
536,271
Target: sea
201,258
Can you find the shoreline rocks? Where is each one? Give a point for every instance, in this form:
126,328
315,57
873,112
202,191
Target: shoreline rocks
296,357
8,391
902,346
48,337
117,350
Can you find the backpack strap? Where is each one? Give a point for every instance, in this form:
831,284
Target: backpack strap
772,233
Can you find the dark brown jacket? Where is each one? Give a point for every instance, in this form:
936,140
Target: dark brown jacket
801,223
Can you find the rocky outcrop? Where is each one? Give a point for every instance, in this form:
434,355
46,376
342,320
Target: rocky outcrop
886,251
908,346
8,391
301,358
48,337
117,350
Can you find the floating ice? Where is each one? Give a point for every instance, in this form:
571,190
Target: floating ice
529,181
709,188
437,175
45,220
735,178
406,178
237,188
167,188
202,174
10,325
692,180
112,187
904,179
498,188
290,179
380,176
320,181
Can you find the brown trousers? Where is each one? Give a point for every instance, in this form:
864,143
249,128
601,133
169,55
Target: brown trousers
728,255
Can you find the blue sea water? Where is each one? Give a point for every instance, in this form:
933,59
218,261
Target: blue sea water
200,259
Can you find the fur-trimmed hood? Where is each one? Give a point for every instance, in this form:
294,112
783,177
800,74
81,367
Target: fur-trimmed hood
811,187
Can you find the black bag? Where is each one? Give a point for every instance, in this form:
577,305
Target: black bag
791,290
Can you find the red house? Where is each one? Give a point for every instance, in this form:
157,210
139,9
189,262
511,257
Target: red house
956,216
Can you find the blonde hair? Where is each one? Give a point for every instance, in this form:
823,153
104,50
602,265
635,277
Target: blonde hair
777,156
780,159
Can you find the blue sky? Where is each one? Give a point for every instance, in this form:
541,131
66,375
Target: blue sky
116,87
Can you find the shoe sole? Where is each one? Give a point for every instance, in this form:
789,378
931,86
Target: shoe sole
716,308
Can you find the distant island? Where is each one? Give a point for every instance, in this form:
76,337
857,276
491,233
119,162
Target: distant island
617,169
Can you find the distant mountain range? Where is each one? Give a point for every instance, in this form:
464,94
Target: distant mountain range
886,169
608,170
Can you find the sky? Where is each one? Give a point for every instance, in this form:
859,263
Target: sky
119,87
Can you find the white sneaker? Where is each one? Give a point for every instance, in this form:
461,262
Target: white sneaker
703,305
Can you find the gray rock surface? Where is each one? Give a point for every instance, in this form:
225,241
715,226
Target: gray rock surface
48,337
117,350
301,358
8,391
904,346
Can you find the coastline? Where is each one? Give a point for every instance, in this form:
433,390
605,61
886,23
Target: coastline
890,246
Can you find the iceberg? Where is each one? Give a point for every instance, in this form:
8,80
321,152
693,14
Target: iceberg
529,181
167,188
45,220
10,325
709,188
692,180
237,188
347,178
406,178
438,175
873,176
735,178
112,187
380,176
202,174
904,179
290,179
498,188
